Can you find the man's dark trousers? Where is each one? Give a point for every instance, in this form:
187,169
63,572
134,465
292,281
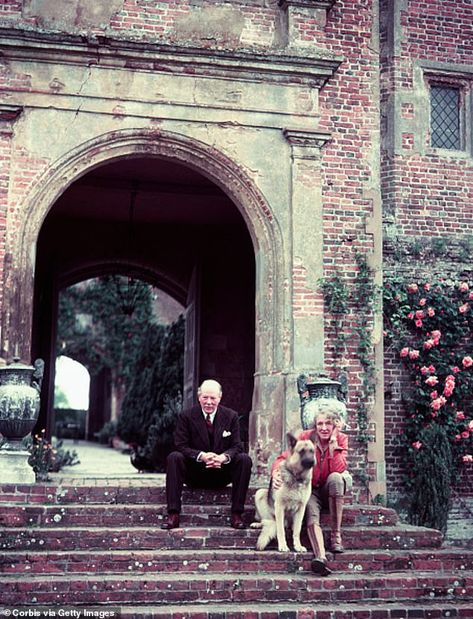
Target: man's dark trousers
183,470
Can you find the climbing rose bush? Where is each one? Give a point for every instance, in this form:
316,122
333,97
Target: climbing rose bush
429,325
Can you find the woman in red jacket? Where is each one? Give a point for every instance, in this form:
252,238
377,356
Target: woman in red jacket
330,481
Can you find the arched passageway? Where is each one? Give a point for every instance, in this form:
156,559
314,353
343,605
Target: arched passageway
169,225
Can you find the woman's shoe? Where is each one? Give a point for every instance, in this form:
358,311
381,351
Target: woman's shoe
336,543
319,566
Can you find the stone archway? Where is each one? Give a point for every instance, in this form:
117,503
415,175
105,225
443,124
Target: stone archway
272,295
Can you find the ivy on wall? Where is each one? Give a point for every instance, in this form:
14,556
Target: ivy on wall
357,303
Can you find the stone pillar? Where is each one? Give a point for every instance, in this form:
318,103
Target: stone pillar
8,115
307,262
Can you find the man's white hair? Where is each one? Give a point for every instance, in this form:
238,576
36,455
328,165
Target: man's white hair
211,385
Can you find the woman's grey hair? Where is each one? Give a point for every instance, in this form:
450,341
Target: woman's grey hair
331,407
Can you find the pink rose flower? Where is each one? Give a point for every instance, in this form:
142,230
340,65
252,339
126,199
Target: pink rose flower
470,426
437,403
413,354
432,381
458,438
460,415
465,434
420,314
431,312
436,335
428,344
412,288
432,369
417,445
422,302
467,362
418,323
448,391
410,315
463,287
467,458
404,352
424,370
470,296
456,369
427,287
433,395
463,308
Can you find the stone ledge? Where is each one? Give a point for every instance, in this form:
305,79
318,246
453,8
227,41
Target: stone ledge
244,64
307,4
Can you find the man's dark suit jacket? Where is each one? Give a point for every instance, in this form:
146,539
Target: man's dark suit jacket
191,435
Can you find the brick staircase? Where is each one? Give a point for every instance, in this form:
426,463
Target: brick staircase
71,545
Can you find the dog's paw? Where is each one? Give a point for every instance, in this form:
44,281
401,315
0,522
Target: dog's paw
261,545
283,548
300,548
256,525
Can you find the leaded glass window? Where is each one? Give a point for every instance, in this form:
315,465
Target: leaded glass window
445,117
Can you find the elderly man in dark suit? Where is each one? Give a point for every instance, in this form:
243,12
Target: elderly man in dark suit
208,454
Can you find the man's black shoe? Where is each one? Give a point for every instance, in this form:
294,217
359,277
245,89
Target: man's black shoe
172,522
236,522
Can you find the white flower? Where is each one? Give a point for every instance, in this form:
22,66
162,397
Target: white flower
226,433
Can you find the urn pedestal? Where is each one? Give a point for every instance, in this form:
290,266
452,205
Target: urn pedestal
20,386
14,467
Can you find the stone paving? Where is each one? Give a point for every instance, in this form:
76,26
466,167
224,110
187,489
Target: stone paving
102,463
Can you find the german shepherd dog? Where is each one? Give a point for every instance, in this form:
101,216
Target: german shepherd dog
277,507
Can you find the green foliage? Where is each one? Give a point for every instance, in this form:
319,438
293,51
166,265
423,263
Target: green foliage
106,433
336,300
154,389
60,398
94,330
430,326
46,457
379,499
335,294
431,479
145,358
160,436
362,297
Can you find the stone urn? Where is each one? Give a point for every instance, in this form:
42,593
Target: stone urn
20,386
316,391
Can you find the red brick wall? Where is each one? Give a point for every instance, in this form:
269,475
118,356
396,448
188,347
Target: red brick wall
427,194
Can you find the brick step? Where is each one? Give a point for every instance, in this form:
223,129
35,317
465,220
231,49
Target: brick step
229,561
362,537
280,610
135,492
121,515
220,587
145,493
373,610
